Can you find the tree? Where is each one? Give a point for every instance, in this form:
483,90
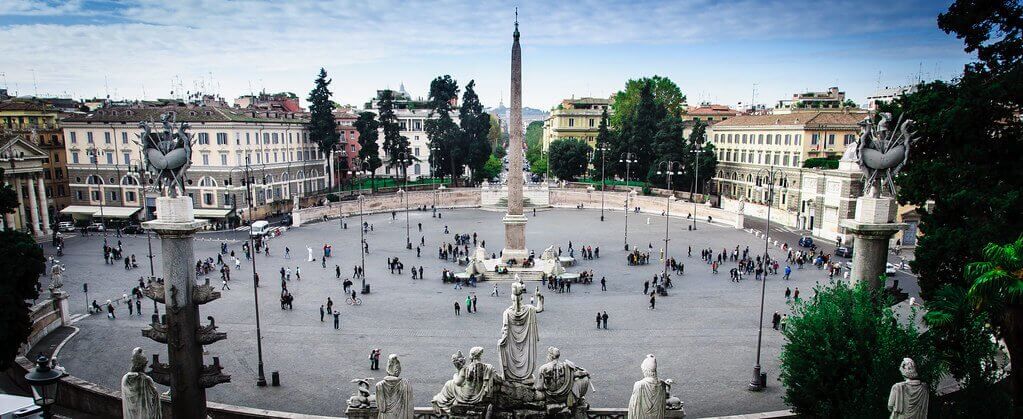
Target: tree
603,146
446,142
998,289
396,146
638,128
539,166
369,151
475,125
492,168
499,152
569,157
842,353
665,92
322,125
669,145
534,141
966,350
494,135
23,262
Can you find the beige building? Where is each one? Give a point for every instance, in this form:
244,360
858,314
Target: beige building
575,118
832,100
24,165
411,115
748,143
283,162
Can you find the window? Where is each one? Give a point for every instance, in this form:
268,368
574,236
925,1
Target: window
847,139
419,124
88,137
415,151
74,138
127,158
221,138
715,138
106,137
788,139
124,138
204,138
814,139
129,196
74,157
796,159
785,160
110,158
113,195
266,138
78,195
259,158
744,138
207,198
353,148
831,139
591,124
776,157
760,139
95,195
56,157
769,137
247,139
799,138
205,159
416,168
223,159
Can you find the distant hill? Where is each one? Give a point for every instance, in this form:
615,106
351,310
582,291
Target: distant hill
528,115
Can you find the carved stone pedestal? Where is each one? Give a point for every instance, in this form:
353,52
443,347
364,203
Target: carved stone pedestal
872,229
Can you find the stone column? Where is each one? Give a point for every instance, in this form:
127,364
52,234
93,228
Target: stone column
176,226
33,206
44,207
20,210
872,228
514,221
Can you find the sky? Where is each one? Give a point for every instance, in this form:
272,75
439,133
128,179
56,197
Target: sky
723,52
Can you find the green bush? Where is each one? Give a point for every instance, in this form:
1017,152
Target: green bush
333,197
843,351
828,163
646,190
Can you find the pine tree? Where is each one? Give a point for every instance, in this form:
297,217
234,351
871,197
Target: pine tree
399,154
447,152
322,126
475,126
369,147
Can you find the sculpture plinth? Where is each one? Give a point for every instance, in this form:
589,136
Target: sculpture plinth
872,229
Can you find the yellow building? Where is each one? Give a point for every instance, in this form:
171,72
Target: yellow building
747,143
575,118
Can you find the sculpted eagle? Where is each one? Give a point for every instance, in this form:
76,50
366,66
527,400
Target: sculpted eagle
167,151
882,153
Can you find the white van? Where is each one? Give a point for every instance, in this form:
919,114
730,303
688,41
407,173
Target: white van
259,228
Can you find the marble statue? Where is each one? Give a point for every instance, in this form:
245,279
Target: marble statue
671,402
476,266
909,399
309,250
56,276
472,386
519,334
883,152
648,399
168,152
562,384
548,254
394,394
139,398
362,398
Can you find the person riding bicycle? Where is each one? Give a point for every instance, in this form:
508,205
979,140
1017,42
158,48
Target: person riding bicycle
353,296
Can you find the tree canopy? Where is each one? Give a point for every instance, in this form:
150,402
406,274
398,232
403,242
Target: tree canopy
369,147
446,142
322,125
568,158
399,153
665,92
475,125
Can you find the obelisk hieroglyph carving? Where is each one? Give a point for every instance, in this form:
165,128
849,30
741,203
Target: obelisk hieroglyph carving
514,221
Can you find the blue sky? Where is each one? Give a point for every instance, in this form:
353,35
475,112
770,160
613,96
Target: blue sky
715,51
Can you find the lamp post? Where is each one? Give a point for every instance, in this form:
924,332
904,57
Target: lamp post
603,149
362,240
628,159
43,380
404,194
670,168
696,180
139,169
261,378
769,174
94,153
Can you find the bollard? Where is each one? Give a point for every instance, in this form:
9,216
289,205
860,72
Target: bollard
365,290
275,379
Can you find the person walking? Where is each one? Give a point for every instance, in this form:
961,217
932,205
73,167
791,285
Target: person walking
321,312
788,293
775,320
298,273
138,306
337,320
468,304
330,305
374,359
603,283
653,300
337,271
495,292
788,271
225,286
287,252
784,320
604,318
475,307
646,287
795,294
458,309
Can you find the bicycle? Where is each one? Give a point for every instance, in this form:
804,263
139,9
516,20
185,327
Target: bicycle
356,302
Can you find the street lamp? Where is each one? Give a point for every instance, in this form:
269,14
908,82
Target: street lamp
362,239
697,149
628,159
139,168
670,168
769,175
405,158
94,153
603,149
247,183
43,380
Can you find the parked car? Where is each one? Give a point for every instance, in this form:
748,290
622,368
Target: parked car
66,226
806,241
259,228
96,227
132,229
846,252
890,269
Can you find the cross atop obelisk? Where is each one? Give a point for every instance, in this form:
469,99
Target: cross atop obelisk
514,221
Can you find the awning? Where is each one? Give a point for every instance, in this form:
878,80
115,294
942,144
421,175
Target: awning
211,213
95,211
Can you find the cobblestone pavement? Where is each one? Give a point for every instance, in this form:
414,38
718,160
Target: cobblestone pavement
704,334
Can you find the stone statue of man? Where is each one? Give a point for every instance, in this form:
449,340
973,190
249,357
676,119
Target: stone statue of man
519,333
562,384
394,394
909,399
139,398
648,396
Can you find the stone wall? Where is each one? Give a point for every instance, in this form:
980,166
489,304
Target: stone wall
446,198
46,316
615,201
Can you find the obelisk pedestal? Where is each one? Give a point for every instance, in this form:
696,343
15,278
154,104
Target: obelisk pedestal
176,225
872,228
514,220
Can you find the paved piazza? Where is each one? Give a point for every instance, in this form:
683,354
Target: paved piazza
703,334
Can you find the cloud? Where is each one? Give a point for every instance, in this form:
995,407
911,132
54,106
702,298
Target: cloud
85,45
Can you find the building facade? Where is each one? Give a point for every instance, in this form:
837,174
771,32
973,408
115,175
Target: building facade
346,153
709,114
39,124
831,100
274,147
575,118
887,95
746,144
412,116
24,167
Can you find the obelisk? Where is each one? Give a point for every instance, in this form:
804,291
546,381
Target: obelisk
514,221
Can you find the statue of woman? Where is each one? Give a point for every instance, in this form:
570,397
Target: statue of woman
139,398
910,398
519,334
472,385
394,394
648,396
